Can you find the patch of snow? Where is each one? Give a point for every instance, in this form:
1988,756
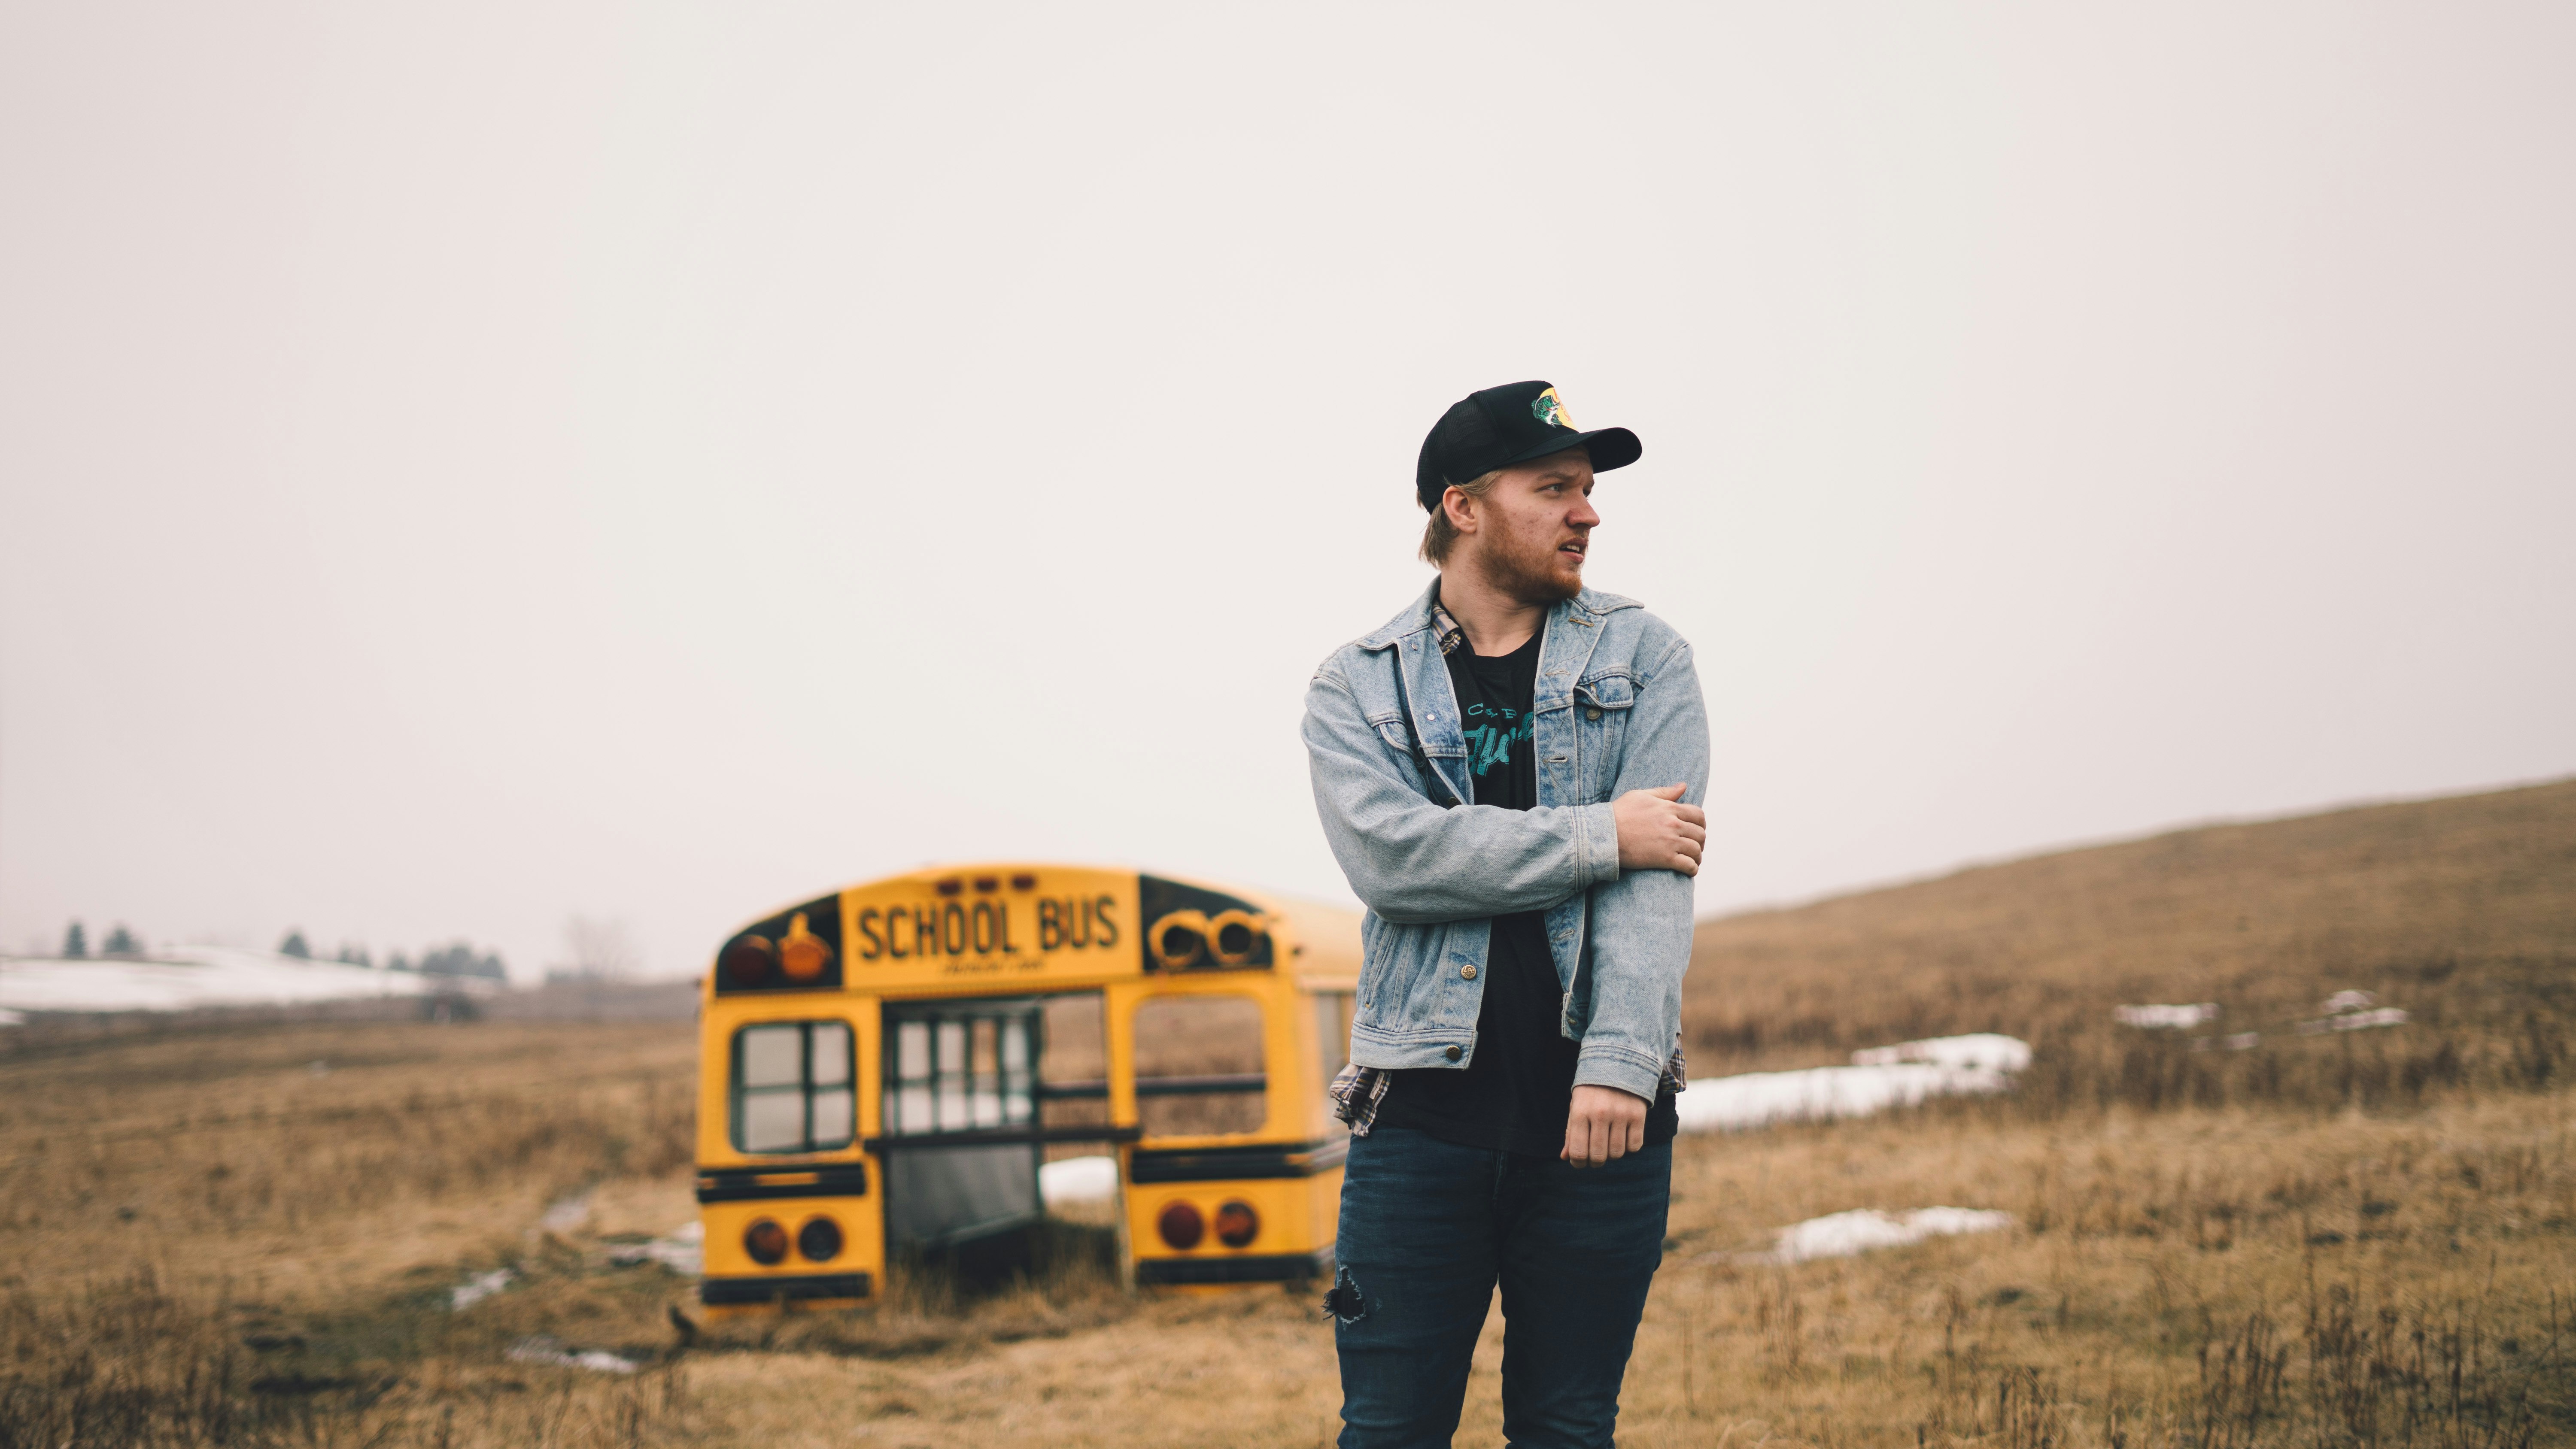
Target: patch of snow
183,978
1078,1179
1845,1235
542,1349
2243,1041
477,1288
2166,1018
2356,1021
1758,1099
2349,1001
566,1215
1992,1051
683,1251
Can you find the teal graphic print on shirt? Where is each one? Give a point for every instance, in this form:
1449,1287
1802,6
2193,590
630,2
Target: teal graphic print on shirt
1492,734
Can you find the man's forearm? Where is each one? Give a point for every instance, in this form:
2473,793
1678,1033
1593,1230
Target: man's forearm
1641,923
1414,862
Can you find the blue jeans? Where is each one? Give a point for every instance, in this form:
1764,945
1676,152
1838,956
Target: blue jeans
1427,1230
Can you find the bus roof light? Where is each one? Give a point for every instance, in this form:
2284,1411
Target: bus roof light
749,960
1233,935
802,953
1178,940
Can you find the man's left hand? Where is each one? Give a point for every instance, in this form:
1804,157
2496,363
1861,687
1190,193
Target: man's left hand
1602,1124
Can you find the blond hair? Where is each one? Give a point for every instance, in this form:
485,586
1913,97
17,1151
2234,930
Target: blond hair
1439,535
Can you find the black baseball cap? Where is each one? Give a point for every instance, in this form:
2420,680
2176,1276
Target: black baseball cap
1504,425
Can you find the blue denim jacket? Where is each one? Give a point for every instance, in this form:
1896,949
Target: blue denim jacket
1617,709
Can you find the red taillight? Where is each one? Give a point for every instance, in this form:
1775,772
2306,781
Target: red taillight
748,962
819,1240
1237,1224
766,1242
1181,1226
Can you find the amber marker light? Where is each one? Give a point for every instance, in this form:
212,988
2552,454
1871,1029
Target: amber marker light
1179,940
1231,935
1181,1226
803,953
819,1240
1237,1224
766,1242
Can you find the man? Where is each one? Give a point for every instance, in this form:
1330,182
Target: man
1509,773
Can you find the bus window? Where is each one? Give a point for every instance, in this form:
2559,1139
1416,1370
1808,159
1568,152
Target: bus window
792,1087
1199,1065
1073,1073
960,1066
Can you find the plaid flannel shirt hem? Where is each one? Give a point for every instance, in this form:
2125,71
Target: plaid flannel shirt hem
1358,1091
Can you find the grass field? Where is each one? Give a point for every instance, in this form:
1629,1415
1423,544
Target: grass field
249,1236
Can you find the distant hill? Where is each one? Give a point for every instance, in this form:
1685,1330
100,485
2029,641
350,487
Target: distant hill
2461,911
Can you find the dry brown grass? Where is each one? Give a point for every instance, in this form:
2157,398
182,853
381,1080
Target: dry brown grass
2460,911
2347,1241
2403,1281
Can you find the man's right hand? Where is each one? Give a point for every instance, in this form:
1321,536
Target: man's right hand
1658,832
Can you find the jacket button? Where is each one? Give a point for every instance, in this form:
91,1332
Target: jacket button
1467,973
1453,1054
1593,712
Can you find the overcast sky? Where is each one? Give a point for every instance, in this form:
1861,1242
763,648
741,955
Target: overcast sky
462,468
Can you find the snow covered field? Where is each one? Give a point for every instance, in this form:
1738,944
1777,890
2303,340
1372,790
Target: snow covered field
1850,1234
1879,1078
184,978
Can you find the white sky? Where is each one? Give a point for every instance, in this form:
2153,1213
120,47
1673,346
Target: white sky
460,468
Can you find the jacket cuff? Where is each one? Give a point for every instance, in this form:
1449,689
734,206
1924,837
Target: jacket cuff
1608,1064
1598,826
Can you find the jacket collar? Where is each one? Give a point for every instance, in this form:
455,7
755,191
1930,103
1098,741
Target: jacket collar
1572,628
1415,618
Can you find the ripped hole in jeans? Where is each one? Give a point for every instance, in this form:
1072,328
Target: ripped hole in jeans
1343,1300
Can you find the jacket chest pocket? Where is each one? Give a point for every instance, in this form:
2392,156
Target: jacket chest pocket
1397,736
1413,764
1601,709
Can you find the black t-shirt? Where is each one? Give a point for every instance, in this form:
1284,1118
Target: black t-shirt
1513,1093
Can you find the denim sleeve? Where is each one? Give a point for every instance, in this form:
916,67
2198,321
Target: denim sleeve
1416,863
1641,922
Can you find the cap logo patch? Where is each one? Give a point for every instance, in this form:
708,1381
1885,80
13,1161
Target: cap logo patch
1548,408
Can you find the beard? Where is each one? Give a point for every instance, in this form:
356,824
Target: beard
1532,571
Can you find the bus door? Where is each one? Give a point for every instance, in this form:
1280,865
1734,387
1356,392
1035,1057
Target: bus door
960,1145
1236,1178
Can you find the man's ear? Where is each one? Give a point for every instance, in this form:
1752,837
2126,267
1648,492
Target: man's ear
1461,510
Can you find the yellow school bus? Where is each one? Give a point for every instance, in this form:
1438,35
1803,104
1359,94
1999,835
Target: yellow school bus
885,1070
